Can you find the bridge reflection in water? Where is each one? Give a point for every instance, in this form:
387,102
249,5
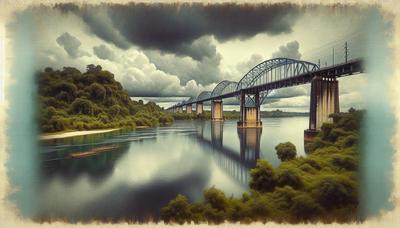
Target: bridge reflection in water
237,164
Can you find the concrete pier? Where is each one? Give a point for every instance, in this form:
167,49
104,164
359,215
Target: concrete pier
217,113
250,117
199,108
189,108
324,101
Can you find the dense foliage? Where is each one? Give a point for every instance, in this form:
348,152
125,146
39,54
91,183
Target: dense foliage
320,187
286,151
71,100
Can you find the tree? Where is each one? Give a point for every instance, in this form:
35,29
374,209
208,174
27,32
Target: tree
334,192
263,177
290,178
304,207
91,68
286,151
82,106
97,91
177,210
216,198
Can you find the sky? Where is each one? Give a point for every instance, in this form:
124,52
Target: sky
168,53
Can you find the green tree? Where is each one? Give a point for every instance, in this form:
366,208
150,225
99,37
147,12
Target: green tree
304,207
97,91
334,192
177,210
290,178
263,178
286,151
216,198
82,106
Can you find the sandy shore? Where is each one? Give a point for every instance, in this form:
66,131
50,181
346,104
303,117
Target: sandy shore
73,133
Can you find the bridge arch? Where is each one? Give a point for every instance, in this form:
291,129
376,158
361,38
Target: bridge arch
223,87
274,70
203,95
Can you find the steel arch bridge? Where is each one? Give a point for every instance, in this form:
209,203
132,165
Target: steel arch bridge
273,74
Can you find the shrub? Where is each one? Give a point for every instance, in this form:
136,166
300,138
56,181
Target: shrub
304,207
334,192
177,210
213,215
216,198
97,91
344,162
289,178
286,151
82,106
263,177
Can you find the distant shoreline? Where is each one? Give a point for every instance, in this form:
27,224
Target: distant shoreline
60,135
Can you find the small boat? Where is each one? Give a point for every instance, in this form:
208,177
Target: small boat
93,151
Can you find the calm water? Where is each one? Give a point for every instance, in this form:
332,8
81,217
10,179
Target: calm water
142,170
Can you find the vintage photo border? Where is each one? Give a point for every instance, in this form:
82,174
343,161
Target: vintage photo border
9,213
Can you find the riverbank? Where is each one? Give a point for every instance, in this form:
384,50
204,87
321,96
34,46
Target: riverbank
73,133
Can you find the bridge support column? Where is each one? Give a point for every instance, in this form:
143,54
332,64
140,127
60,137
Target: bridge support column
217,110
189,108
199,108
324,101
250,117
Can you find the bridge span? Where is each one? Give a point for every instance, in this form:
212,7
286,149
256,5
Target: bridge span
273,74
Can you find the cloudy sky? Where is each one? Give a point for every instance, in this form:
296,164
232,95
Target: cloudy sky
167,53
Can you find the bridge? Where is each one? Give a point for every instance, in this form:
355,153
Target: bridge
273,74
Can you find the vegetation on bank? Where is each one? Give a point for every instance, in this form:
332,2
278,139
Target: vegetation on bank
320,187
71,100
206,115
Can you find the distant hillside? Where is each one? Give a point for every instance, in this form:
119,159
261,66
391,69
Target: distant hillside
279,113
236,115
71,100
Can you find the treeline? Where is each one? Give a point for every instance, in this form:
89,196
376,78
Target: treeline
206,115
71,100
279,113
320,187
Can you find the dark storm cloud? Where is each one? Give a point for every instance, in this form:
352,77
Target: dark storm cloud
103,52
70,44
174,27
204,72
290,50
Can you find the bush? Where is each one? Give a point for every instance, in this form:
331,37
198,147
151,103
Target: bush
177,210
334,192
97,91
286,151
263,178
344,162
304,207
216,198
82,106
289,178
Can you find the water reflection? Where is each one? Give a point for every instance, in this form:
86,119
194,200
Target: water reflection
151,166
236,165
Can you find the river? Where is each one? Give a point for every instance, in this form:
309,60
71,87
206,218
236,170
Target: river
139,171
